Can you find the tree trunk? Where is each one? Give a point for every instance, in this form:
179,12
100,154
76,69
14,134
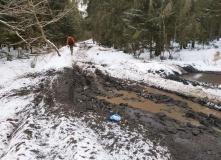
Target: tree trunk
184,45
93,38
193,44
219,35
8,47
181,45
151,48
157,49
42,31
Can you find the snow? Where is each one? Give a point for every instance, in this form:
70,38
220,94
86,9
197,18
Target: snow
121,65
201,59
12,70
58,143
82,7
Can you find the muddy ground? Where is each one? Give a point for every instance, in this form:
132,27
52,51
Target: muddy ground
78,94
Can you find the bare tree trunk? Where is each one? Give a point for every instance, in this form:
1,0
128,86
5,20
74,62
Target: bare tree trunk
181,46
219,35
93,38
9,47
42,31
158,49
151,48
193,44
164,38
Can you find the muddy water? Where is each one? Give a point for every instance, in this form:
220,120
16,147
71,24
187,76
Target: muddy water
203,77
195,106
139,102
175,112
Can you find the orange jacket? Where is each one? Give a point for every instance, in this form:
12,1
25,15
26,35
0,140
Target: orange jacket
71,39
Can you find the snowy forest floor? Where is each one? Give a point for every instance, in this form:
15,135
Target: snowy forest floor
60,108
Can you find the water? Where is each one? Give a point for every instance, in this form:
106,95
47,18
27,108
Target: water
139,102
194,106
171,111
203,77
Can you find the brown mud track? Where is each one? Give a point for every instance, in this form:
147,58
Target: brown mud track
81,93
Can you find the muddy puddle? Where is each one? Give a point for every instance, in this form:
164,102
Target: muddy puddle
194,106
178,113
203,77
139,102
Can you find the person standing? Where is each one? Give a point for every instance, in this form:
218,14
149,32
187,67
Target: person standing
70,43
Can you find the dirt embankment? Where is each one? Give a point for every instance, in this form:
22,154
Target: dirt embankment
77,93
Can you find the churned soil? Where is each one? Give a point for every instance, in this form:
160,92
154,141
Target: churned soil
77,91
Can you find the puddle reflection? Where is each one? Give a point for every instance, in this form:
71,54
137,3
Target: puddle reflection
203,77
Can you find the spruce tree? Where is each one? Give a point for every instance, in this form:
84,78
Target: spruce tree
134,25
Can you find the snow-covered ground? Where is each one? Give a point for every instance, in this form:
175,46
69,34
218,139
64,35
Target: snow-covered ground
199,58
116,63
120,65
46,136
14,109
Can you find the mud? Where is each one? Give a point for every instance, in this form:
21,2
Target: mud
78,93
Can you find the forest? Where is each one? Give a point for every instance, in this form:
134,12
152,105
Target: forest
136,25
140,80
129,25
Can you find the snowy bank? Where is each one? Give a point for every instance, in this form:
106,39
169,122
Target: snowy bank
124,66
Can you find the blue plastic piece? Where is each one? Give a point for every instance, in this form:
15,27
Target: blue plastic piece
114,117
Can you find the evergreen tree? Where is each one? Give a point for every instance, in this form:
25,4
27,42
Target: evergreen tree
135,25
70,24
105,18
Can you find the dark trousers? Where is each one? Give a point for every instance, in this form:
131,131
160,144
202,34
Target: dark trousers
71,49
